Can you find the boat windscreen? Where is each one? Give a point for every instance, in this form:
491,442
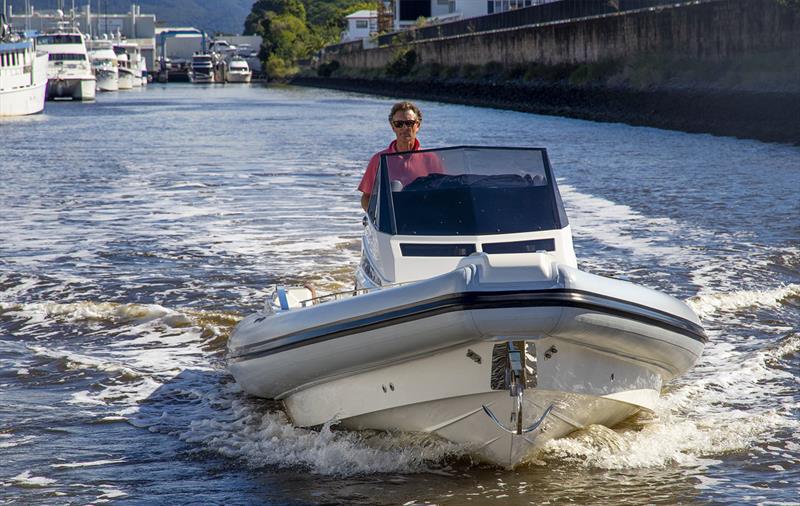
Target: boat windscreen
469,191
59,39
66,57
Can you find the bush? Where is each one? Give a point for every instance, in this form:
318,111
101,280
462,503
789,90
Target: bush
277,68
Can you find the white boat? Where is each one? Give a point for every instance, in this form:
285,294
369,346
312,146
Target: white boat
69,74
145,75
222,49
105,64
469,319
126,73
23,75
246,51
202,69
238,71
134,59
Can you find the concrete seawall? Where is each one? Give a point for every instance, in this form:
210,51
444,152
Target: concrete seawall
708,30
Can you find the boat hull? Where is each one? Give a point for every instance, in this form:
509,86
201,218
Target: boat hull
444,394
83,89
239,77
27,95
107,80
23,101
420,357
201,78
125,80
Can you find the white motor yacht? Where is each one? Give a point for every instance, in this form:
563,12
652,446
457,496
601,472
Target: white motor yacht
135,60
202,69
70,73
126,73
23,74
238,71
104,64
469,319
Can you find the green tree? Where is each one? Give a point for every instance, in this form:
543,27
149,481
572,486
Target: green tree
284,33
253,24
294,29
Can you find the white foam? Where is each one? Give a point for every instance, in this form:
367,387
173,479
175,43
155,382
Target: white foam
16,441
93,463
713,303
262,439
110,493
89,310
26,479
621,227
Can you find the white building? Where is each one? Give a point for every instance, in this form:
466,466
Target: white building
360,25
407,12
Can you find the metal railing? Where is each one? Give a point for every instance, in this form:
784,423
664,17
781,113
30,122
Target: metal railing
545,13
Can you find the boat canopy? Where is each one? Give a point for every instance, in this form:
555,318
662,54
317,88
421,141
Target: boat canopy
466,190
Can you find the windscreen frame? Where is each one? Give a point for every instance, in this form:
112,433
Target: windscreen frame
385,211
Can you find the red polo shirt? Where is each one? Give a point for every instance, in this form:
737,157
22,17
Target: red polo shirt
372,167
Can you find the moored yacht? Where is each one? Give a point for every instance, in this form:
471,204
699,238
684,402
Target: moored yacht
104,64
223,48
69,74
126,73
202,68
134,58
238,71
23,74
469,319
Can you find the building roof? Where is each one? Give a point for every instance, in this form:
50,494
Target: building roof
363,14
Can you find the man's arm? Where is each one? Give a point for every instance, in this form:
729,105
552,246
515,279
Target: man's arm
365,201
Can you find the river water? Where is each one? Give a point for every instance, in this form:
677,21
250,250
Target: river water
136,231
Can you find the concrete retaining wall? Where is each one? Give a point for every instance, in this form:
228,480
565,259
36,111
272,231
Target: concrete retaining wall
708,30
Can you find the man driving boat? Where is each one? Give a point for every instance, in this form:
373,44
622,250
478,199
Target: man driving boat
405,119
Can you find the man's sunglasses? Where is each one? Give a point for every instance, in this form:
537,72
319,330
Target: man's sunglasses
405,123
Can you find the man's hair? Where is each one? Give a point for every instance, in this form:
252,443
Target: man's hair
405,106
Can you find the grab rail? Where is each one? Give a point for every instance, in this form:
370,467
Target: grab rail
337,295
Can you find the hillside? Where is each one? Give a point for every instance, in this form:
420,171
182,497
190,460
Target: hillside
218,16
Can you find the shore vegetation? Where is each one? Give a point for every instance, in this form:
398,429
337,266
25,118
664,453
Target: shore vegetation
293,30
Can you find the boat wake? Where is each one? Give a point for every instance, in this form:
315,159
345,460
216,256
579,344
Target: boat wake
258,433
161,369
715,303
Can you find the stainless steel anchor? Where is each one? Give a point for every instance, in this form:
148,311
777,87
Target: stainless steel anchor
515,379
